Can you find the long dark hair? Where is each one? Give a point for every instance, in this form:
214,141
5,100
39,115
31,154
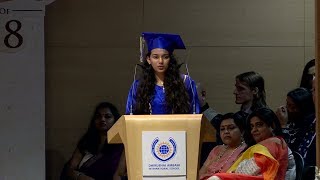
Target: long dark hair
267,116
176,96
306,78
302,98
254,80
91,139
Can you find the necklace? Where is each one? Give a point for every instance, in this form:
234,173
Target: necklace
228,158
163,90
160,83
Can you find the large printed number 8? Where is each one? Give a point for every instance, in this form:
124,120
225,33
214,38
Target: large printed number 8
13,32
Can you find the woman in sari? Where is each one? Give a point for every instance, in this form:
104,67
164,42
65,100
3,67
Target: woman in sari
223,156
249,92
267,155
94,158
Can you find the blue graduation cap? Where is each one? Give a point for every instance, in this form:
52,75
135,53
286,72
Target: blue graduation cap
169,42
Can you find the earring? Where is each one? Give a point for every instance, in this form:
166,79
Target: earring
242,139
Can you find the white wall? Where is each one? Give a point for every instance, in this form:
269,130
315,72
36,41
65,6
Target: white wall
22,92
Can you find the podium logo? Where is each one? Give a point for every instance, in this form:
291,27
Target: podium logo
164,150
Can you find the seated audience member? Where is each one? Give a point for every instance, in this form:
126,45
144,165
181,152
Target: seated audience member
267,153
249,93
307,74
223,156
297,119
94,158
309,169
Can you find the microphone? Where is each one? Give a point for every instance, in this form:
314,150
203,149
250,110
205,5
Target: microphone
193,96
133,90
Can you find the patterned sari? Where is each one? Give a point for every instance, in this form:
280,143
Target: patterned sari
213,164
103,165
266,160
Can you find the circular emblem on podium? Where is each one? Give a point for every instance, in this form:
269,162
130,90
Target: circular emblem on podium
164,150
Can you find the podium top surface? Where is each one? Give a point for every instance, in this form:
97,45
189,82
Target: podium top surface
129,125
172,117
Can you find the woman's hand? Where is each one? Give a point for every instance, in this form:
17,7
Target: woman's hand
116,177
201,94
84,177
282,114
214,178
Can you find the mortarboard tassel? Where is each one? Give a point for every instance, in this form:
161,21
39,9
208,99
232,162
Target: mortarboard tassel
141,48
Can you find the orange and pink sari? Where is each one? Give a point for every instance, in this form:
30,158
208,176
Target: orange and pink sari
266,160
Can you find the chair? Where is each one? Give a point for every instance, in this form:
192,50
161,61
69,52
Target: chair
299,164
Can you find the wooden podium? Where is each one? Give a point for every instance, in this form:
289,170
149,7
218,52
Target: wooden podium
128,130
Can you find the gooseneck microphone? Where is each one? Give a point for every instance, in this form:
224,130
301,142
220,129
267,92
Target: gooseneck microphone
193,95
133,89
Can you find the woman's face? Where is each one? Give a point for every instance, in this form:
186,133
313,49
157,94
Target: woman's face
104,119
311,73
159,60
294,114
291,106
259,129
312,70
230,133
243,93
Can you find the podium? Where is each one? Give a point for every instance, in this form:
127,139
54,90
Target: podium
128,130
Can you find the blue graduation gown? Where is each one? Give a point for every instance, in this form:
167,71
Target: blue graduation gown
158,102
